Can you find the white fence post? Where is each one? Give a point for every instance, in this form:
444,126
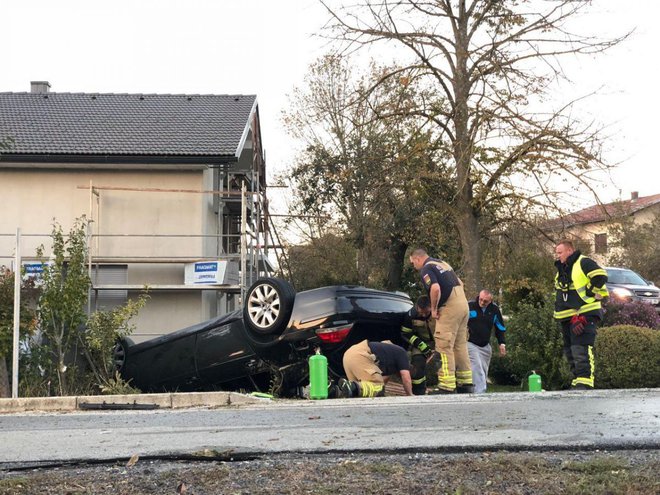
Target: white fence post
17,315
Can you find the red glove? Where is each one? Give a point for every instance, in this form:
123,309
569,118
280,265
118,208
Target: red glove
578,322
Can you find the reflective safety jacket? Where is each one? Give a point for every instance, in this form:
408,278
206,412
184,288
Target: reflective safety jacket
576,283
417,331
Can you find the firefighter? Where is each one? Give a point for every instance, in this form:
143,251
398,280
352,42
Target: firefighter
580,287
368,366
449,309
417,331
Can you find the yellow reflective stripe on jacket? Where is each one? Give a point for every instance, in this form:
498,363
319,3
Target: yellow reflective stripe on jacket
596,272
602,291
560,315
589,307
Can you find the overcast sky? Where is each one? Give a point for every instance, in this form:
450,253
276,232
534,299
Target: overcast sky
263,47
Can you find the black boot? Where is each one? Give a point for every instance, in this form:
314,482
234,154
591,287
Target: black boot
440,391
347,389
465,389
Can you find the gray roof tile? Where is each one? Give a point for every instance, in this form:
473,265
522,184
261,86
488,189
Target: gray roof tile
124,124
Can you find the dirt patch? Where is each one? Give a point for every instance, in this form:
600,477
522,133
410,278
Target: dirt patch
625,472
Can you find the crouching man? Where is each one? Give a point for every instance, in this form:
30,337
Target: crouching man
369,365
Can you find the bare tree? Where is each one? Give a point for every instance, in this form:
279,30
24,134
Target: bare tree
494,63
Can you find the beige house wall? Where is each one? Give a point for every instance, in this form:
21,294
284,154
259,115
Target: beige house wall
124,224
587,232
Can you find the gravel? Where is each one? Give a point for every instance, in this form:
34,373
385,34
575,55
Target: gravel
595,472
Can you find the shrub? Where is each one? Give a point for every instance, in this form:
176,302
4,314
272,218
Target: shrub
635,313
627,357
534,342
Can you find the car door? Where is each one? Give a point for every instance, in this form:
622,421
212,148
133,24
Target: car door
223,354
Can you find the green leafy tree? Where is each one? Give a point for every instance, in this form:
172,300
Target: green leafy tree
104,329
518,260
27,323
492,67
328,260
369,174
64,293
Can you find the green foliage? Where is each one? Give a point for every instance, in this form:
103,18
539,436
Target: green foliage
64,292
116,385
534,342
104,329
329,260
27,314
34,376
627,357
519,263
27,322
74,353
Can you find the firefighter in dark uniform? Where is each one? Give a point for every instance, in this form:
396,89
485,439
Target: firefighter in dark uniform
580,287
368,366
449,309
417,332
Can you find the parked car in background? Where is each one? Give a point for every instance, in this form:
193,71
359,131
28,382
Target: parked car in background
265,346
627,285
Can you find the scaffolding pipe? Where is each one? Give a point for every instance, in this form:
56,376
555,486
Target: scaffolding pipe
243,241
17,315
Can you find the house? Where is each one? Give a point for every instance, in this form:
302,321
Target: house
596,224
168,183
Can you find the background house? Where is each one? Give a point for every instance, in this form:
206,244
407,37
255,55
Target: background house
596,225
159,177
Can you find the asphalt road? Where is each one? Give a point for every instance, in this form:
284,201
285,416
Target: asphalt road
610,419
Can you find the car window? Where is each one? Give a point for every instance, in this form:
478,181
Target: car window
624,277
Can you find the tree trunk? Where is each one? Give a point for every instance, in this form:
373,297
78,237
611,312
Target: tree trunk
471,244
4,378
396,253
463,152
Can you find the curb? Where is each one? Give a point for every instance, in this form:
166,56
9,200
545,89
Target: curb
138,401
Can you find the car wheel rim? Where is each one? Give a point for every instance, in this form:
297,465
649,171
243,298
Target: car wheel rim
264,305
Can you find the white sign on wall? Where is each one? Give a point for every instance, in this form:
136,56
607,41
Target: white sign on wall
220,272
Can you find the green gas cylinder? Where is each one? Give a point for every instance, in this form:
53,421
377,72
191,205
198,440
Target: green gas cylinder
534,382
318,376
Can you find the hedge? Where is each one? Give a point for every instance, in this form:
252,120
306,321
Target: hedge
627,357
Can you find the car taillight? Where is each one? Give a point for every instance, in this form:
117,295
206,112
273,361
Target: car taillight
333,335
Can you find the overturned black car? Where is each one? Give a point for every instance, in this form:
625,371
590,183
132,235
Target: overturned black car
265,346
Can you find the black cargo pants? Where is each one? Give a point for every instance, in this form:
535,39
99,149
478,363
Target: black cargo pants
579,351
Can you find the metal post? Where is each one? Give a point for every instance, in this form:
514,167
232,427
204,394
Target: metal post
88,239
17,315
243,241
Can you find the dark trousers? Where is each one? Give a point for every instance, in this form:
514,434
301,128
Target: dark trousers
579,351
418,373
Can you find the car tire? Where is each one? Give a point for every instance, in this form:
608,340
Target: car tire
119,354
268,305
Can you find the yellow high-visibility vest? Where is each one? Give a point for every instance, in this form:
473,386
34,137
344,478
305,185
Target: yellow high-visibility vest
580,281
